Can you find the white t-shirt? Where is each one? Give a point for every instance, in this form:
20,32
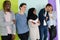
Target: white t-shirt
44,20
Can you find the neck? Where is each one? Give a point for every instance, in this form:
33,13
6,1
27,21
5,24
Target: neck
6,10
50,12
21,12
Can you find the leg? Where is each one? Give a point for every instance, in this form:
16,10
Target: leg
50,32
9,36
20,36
24,36
45,33
41,33
54,32
4,37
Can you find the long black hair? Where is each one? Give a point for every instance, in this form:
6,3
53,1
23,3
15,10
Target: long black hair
31,15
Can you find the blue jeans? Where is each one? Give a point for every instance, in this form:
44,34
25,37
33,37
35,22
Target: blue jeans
43,32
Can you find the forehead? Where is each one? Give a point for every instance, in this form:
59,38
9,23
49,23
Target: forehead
49,6
7,3
24,6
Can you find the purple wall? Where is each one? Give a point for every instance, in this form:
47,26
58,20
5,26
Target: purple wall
53,2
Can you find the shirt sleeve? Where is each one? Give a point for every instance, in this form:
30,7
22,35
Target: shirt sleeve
55,16
2,22
14,29
13,16
14,26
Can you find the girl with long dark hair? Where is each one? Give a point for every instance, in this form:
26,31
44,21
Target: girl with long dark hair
33,23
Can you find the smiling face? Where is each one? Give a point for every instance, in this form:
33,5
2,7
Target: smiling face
47,8
50,8
7,6
23,8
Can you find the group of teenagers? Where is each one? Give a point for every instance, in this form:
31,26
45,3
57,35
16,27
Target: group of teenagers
31,27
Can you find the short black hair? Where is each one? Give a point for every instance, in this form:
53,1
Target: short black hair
48,4
4,3
22,4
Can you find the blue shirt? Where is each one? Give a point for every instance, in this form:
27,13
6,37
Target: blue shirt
21,24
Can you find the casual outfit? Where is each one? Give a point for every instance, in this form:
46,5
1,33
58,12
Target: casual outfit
51,23
7,25
43,24
33,20
34,30
22,27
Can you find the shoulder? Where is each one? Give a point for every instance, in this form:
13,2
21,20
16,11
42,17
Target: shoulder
54,12
30,20
17,15
12,13
1,11
42,9
33,20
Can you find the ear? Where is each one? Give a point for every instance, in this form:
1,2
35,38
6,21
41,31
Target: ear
19,7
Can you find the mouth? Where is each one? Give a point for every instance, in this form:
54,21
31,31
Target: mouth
8,7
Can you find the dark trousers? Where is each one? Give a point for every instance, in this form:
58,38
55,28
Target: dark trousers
8,37
24,36
43,32
50,32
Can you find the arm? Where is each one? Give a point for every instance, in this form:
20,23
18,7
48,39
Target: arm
55,18
14,26
32,21
2,22
14,21
47,17
41,14
38,22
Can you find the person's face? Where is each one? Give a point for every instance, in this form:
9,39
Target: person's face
23,8
50,8
34,12
47,8
7,6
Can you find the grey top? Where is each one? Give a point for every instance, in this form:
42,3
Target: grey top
3,29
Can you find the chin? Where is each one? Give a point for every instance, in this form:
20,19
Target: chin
8,9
